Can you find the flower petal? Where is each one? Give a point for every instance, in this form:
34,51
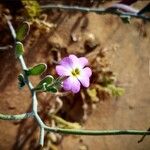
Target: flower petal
83,61
84,76
85,81
75,61
67,84
86,71
66,62
62,71
75,85
72,84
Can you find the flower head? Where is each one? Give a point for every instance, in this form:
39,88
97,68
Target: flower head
74,69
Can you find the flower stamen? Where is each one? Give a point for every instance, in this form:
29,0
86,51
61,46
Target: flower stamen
75,72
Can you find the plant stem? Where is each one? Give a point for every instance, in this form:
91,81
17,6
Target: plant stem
16,117
13,33
97,132
30,86
41,141
96,10
5,47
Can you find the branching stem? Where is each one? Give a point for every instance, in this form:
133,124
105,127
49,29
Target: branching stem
16,117
96,10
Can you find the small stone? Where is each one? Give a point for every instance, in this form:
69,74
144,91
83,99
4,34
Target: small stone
75,37
83,147
91,42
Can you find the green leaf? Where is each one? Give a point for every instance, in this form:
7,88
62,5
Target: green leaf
22,31
48,84
21,81
19,49
51,89
48,80
36,70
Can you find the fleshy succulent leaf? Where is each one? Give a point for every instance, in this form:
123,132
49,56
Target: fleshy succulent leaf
51,89
48,80
19,49
36,70
22,31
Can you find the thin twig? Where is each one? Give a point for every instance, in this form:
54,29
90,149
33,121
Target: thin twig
13,33
6,47
99,10
96,132
41,141
29,84
16,117
143,137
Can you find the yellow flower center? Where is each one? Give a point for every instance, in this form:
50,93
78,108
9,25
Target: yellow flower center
75,72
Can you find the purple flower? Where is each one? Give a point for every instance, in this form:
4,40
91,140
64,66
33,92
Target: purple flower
74,69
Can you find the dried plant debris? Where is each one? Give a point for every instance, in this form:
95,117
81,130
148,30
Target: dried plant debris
32,8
